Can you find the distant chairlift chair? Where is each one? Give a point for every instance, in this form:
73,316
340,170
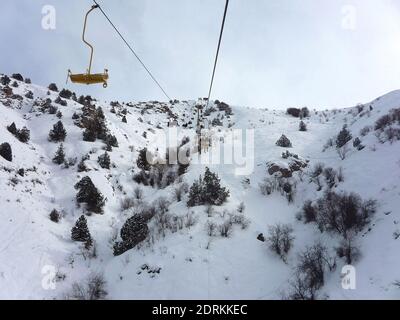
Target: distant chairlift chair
89,78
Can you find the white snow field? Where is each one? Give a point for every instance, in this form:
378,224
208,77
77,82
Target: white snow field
38,259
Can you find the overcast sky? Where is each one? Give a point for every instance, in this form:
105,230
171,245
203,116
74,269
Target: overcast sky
275,53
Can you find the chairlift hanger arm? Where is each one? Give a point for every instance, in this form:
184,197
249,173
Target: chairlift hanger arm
88,77
83,36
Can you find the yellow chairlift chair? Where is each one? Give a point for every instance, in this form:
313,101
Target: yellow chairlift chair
88,77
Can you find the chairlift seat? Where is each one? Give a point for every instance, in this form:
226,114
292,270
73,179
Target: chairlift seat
90,78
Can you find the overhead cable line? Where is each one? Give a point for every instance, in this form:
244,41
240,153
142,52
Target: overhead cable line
218,48
132,50
200,116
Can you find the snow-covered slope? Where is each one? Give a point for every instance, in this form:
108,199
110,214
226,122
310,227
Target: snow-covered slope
188,263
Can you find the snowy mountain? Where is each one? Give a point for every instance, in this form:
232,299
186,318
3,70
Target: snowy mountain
181,239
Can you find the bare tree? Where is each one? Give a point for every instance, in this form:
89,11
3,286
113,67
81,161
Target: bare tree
280,239
138,192
349,250
92,289
343,151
